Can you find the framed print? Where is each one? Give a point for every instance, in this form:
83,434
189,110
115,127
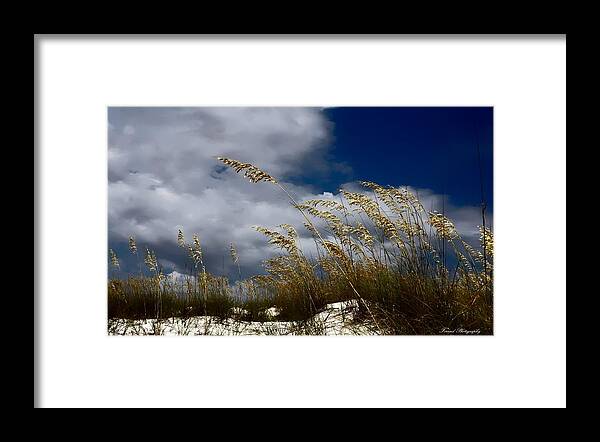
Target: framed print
300,221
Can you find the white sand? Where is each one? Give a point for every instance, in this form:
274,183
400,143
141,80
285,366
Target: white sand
336,319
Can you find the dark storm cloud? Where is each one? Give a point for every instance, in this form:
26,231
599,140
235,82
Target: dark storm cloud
163,176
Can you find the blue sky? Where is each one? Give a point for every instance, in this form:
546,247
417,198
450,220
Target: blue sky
163,174
424,147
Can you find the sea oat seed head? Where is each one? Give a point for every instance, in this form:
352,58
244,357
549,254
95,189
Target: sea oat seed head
132,245
151,261
253,173
114,260
233,252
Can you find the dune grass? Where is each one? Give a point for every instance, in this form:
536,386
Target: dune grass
407,269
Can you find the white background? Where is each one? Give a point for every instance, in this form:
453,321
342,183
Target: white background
522,365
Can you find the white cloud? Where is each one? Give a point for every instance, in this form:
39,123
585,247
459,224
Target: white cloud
163,175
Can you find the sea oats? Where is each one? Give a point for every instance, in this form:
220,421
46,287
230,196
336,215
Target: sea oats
253,173
429,249
475,255
150,260
233,253
486,238
373,211
310,228
195,253
282,268
363,234
196,240
330,266
339,229
323,214
406,199
407,289
132,245
337,252
277,239
464,262
385,194
291,231
114,260
409,229
355,248
330,204
444,227
195,250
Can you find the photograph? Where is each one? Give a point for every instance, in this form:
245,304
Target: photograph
300,221
245,221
